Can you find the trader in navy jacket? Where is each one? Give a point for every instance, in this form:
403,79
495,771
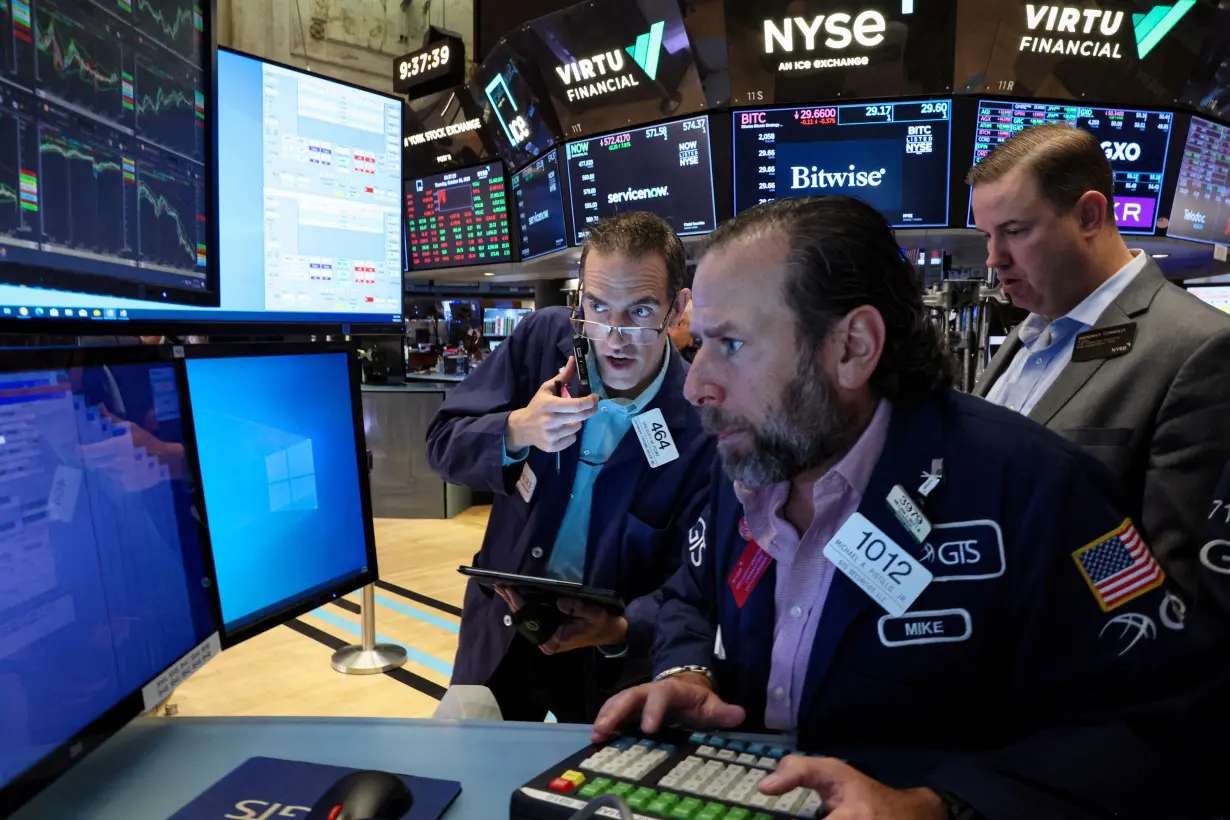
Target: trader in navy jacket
579,494
893,564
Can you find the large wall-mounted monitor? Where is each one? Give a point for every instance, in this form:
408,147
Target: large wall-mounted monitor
610,64
458,218
105,153
284,477
665,169
893,155
1201,210
103,577
310,231
1135,141
539,191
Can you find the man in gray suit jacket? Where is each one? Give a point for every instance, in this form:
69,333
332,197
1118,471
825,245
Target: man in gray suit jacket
1112,356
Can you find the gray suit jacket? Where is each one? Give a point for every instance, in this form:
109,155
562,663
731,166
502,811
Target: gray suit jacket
1158,416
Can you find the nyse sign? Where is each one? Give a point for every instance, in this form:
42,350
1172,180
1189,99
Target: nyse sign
840,31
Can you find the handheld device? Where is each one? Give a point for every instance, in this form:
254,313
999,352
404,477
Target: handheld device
580,348
538,620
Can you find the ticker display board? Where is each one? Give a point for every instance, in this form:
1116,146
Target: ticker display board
895,156
1135,141
458,218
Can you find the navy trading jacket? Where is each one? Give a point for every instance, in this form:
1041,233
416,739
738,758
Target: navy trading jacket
1214,583
1050,696
640,516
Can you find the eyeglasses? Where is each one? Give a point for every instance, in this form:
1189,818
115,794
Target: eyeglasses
597,331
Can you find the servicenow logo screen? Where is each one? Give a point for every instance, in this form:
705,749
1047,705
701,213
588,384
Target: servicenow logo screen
893,156
664,169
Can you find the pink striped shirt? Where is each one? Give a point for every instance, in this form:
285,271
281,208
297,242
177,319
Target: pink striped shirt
804,575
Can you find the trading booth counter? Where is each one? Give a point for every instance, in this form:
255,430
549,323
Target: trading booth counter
395,421
155,766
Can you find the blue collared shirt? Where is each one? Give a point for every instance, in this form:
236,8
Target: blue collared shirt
1046,348
600,435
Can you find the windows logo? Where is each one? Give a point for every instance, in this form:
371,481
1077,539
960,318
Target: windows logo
292,478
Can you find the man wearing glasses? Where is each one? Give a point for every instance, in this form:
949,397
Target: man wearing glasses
600,489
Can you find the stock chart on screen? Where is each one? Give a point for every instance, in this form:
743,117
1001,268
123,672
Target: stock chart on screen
103,143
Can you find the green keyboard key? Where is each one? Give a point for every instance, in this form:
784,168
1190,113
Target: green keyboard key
713,811
622,789
739,814
762,816
662,804
687,810
642,798
594,788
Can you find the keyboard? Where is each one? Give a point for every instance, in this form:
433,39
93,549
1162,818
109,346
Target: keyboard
675,776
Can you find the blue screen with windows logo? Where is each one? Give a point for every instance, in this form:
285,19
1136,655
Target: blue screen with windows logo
275,438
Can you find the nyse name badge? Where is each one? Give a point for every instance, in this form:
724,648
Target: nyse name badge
1119,566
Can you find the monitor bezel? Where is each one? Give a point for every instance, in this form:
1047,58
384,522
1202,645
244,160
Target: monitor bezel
509,210
33,780
250,629
34,275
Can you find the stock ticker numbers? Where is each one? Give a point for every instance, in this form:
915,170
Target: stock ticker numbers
1201,210
458,218
102,132
1136,143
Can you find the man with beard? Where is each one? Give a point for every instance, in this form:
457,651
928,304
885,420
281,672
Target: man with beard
580,495
888,564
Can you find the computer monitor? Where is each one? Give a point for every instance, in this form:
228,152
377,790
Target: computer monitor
309,202
664,169
501,322
458,218
1135,141
893,155
1201,209
279,429
105,595
539,192
105,149
1216,295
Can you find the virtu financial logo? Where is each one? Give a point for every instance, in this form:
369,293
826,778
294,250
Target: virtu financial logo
603,73
1091,32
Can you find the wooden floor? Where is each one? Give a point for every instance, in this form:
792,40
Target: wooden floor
286,670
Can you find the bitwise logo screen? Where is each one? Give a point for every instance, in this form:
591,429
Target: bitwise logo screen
894,156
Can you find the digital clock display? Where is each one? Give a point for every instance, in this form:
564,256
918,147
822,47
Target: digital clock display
419,63
431,68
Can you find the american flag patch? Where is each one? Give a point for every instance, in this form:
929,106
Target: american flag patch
1119,567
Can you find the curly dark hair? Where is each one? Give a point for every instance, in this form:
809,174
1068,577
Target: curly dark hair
842,255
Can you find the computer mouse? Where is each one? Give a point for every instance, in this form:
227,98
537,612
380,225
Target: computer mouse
364,796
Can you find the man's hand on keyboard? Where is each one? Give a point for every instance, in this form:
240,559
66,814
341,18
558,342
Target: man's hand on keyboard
687,697
851,795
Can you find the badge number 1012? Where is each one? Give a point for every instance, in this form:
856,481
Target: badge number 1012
892,577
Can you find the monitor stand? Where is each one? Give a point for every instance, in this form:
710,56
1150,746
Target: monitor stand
368,657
